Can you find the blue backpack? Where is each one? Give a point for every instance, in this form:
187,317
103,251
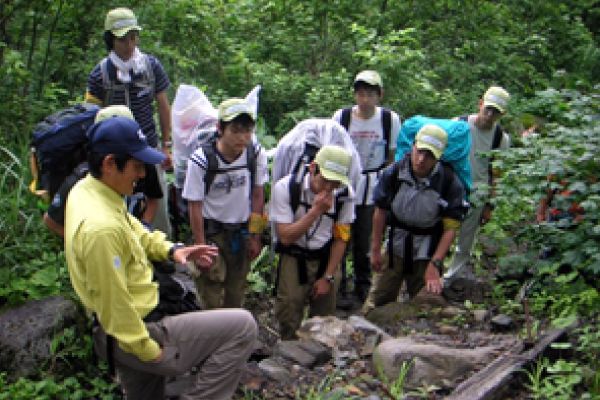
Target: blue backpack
58,145
457,150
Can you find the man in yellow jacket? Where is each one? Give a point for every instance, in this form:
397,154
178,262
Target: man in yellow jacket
108,254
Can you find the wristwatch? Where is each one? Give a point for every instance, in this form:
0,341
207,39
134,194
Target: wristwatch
439,264
172,250
330,279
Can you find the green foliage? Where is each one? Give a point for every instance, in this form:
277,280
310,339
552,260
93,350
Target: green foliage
436,58
78,387
396,387
321,391
566,148
28,271
560,383
261,277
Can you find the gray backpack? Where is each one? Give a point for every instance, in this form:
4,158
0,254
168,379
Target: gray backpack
110,86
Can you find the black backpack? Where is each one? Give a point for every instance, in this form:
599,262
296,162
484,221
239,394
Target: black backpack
175,297
58,145
212,167
386,125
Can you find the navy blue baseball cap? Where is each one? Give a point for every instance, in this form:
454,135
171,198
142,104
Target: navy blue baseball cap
120,135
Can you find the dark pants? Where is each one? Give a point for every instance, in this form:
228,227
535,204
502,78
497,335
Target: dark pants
361,244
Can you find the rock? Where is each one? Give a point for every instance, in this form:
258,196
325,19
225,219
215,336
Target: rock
274,370
331,331
373,335
431,363
392,312
451,312
26,333
321,353
501,322
307,353
448,329
355,391
461,289
480,315
336,394
253,379
426,298
361,324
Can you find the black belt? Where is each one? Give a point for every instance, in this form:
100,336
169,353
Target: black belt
302,255
212,226
435,232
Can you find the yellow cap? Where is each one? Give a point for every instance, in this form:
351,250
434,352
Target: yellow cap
334,163
231,108
496,97
121,20
433,138
370,77
113,111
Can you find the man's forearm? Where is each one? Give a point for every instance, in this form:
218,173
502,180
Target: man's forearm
378,227
164,117
338,247
444,244
290,233
197,221
258,200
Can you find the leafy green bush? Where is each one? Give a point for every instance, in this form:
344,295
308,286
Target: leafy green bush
567,148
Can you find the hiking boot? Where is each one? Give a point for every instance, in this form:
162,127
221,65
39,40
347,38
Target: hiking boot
344,302
361,292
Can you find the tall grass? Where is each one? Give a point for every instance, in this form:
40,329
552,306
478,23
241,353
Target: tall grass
31,259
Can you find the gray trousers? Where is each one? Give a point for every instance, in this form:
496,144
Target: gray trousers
218,342
464,245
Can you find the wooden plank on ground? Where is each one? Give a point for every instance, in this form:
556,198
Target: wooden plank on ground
490,382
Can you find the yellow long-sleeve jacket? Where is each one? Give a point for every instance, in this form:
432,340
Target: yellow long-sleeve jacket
108,253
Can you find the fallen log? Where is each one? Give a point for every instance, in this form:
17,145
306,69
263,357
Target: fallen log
492,382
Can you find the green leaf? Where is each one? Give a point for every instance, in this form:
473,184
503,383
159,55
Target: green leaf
564,322
561,346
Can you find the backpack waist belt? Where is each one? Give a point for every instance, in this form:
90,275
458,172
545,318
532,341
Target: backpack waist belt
212,226
302,255
435,232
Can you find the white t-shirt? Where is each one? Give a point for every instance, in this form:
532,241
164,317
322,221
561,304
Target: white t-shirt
481,141
228,199
321,231
369,141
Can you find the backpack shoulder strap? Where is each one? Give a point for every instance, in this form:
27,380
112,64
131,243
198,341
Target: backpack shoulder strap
448,176
339,203
251,154
149,74
497,137
107,83
345,118
386,124
395,181
212,165
294,189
